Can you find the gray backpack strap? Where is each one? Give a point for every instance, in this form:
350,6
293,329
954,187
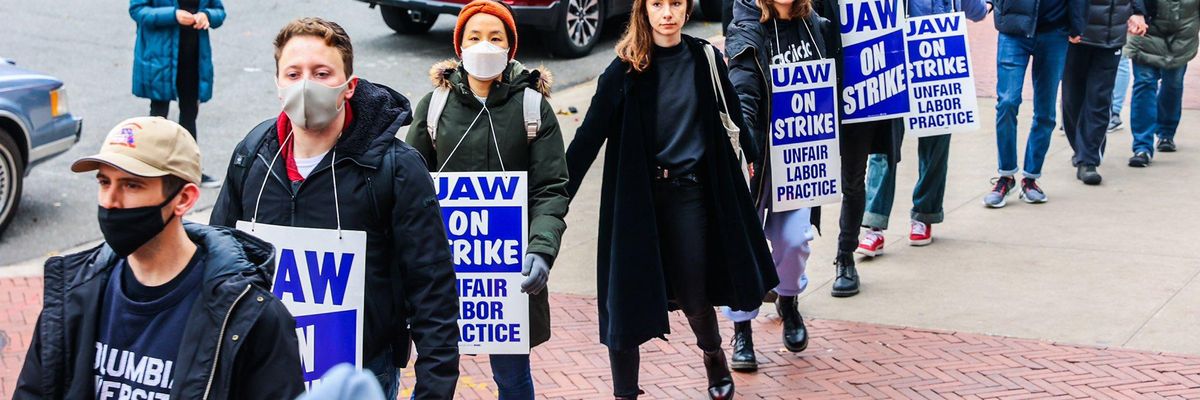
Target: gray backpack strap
532,112
437,103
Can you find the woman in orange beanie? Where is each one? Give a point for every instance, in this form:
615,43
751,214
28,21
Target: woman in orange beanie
494,117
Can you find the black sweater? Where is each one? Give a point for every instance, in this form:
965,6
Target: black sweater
677,137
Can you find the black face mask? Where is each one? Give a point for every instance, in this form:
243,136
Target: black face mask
127,229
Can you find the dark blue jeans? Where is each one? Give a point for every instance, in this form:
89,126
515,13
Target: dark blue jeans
386,373
1049,53
933,154
1157,103
512,376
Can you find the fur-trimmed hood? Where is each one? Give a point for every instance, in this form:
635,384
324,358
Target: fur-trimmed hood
450,74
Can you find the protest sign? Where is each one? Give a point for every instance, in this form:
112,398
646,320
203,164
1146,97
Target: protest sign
805,159
940,76
320,275
875,78
486,218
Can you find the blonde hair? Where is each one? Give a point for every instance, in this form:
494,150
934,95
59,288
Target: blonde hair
800,9
637,42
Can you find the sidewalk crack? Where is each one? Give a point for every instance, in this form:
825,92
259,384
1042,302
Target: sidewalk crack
1160,308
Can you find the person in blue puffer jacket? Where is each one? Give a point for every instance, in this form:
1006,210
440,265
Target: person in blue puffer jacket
172,59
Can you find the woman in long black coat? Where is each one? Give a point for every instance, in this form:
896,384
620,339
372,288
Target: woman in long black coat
677,224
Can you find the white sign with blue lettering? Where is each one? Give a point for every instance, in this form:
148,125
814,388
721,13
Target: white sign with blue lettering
320,275
805,159
875,79
940,76
486,216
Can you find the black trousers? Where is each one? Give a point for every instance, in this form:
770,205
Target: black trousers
682,221
856,142
1087,88
726,15
187,83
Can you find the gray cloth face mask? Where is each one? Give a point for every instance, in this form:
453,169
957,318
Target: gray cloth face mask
311,105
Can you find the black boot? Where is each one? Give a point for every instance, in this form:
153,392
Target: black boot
634,397
795,336
743,348
846,283
720,382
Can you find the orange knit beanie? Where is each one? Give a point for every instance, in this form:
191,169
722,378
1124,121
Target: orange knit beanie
492,7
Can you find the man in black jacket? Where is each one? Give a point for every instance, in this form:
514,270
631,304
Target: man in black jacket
331,161
1097,33
161,309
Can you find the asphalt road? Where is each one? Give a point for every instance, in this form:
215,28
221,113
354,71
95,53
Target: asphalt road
89,45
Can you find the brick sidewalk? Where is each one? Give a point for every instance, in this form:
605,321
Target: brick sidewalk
844,360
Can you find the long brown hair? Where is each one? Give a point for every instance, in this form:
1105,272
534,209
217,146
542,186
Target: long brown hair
800,9
637,42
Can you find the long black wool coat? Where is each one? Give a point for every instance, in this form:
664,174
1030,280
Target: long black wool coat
633,290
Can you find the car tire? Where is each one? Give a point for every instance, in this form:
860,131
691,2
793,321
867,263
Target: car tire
711,9
580,25
405,23
12,173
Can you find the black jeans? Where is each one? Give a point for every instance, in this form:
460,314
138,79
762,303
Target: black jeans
682,221
856,142
726,15
188,108
1087,88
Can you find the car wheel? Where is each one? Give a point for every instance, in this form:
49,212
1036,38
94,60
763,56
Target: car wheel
406,22
11,176
711,9
579,29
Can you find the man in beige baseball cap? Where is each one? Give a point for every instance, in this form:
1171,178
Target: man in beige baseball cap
159,291
141,161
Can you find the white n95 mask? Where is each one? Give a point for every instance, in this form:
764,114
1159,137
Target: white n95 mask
484,61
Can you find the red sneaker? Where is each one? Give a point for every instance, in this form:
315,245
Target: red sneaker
920,234
871,244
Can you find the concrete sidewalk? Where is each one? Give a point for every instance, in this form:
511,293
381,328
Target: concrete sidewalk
1104,266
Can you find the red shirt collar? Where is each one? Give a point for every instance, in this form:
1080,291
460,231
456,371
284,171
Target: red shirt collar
284,126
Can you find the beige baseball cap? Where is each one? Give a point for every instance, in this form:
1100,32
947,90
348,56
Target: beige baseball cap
148,147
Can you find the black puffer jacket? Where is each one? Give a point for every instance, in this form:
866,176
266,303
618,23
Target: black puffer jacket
1102,23
410,284
236,328
885,142
1020,17
749,69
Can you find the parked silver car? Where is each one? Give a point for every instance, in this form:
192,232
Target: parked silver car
35,125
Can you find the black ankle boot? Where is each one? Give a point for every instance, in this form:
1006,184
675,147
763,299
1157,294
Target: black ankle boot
795,336
720,382
846,283
743,348
634,397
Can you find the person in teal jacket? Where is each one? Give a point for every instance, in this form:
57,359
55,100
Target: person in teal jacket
172,59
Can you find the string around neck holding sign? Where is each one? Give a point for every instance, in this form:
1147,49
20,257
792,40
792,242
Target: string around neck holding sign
271,168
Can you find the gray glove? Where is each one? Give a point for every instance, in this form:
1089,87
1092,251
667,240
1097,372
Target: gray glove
538,272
